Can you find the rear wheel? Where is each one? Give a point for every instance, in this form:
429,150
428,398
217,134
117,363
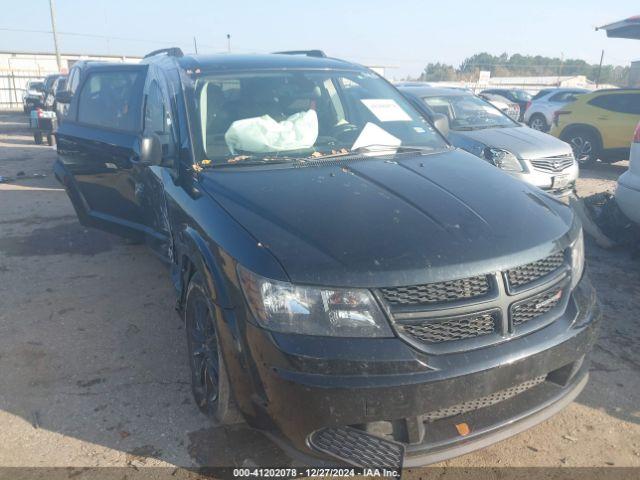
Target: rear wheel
538,122
209,380
585,145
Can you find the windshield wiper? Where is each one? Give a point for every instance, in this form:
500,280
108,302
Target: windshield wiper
385,148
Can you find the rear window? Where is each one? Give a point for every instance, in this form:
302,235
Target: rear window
111,99
541,94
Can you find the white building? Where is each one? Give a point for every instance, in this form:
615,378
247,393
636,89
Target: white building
18,68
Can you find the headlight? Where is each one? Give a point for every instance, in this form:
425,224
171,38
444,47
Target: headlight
577,260
503,159
284,307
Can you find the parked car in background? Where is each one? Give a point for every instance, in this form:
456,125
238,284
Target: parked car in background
506,106
33,96
345,276
599,125
479,128
64,95
521,97
539,112
58,85
628,190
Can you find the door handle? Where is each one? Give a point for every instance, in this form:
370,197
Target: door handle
603,118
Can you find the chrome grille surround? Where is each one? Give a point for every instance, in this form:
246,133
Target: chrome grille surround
504,311
533,271
486,401
553,164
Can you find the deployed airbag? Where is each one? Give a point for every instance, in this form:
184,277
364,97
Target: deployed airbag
264,134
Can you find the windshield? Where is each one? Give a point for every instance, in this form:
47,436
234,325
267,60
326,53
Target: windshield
48,81
305,114
468,112
37,86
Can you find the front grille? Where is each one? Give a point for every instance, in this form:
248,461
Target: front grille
441,292
553,164
533,271
453,328
482,402
535,306
357,447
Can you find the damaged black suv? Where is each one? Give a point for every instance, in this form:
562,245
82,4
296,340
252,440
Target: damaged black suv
350,282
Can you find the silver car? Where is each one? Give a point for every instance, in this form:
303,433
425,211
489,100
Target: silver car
471,123
539,113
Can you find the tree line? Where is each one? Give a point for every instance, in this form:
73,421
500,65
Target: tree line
517,65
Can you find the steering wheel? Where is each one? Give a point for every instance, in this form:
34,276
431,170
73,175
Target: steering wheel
339,132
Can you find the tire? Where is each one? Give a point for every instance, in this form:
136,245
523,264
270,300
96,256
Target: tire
585,145
209,379
538,122
37,137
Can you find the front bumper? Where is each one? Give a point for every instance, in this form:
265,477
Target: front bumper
549,181
386,388
33,102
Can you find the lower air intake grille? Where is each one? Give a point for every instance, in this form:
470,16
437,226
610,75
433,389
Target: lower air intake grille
452,328
482,402
533,271
441,292
358,448
535,306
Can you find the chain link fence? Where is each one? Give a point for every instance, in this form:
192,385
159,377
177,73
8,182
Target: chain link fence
13,84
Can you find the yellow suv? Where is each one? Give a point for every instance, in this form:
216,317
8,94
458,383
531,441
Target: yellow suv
599,125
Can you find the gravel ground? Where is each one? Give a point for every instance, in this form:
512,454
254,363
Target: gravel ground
93,367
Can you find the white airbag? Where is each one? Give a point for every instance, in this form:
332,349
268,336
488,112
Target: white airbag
264,134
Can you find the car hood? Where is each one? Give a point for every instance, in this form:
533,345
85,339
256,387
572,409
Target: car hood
375,222
523,141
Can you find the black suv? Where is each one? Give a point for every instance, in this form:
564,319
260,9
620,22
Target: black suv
349,281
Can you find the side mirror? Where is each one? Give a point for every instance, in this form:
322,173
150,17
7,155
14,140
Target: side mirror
63,96
441,122
150,150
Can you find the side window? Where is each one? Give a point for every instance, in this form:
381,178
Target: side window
111,99
154,113
621,103
157,119
74,79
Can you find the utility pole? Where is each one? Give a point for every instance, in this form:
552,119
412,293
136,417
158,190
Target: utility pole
195,45
52,8
229,42
599,69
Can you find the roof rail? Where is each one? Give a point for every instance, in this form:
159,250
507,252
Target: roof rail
308,53
171,52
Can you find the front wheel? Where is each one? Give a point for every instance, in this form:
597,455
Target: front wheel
585,146
209,380
538,122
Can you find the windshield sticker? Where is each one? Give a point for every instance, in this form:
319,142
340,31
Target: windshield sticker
374,136
386,109
419,130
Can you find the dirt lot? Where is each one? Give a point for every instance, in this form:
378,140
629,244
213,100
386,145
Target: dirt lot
93,367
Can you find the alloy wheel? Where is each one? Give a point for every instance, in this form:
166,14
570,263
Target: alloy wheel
203,352
582,148
539,124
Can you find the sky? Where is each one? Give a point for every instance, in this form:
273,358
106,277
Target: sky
405,35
